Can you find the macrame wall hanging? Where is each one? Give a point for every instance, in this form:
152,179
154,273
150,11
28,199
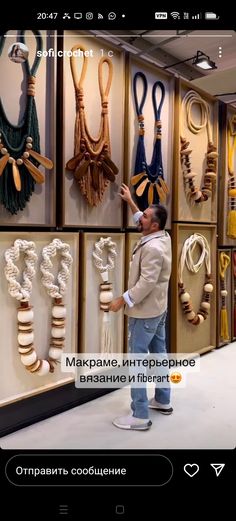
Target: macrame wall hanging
20,144
234,289
92,164
194,193
224,262
148,180
231,142
25,314
186,258
56,291
106,295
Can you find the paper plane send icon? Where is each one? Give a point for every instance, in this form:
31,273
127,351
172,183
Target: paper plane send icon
218,467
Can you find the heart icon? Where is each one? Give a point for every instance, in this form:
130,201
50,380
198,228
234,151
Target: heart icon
191,469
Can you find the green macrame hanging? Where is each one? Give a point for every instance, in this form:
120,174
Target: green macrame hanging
20,144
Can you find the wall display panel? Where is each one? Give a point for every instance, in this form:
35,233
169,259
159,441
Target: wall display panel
81,205
40,207
16,381
224,298
155,83
227,191
196,155
92,317
233,293
186,337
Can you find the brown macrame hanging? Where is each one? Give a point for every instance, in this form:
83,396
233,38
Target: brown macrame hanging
91,164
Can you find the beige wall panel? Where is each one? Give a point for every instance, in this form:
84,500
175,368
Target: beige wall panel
77,212
222,341
91,316
40,210
16,382
167,117
183,210
223,239
185,337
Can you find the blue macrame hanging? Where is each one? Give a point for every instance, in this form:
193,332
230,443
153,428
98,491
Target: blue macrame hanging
20,144
148,180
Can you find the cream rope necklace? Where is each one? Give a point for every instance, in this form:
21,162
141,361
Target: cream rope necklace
187,258
56,292
197,195
25,314
224,262
106,294
231,144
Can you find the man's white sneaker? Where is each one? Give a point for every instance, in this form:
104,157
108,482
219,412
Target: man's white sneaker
132,423
163,408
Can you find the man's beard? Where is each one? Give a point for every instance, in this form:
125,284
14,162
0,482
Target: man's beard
140,227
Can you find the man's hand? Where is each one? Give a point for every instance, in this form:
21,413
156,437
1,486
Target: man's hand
117,304
126,196
125,193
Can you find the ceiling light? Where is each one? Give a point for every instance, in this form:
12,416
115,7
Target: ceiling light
203,61
200,60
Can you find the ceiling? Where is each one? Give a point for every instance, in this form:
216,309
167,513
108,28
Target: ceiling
165,48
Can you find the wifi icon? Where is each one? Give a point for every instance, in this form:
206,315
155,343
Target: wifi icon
175,15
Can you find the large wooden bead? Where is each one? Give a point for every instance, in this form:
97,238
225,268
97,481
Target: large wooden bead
44,369
224,292
58,311
24,339
205,305
208,288
105,297
55,353
201,319
190,315
58,332
25,316
29,359
185,297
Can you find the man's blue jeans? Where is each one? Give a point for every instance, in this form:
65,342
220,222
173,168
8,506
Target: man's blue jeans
147,335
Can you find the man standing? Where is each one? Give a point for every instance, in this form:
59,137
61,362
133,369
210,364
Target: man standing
146,305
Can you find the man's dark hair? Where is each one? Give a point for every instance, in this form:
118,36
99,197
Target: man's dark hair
159,215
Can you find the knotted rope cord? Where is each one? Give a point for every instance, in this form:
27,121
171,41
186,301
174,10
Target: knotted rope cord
224,261
56,291
92,164
148,180
196,194
20,142
231,145
22,292
186,258
106,295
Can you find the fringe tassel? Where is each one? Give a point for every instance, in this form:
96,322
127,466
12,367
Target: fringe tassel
106,337
231,230
224,328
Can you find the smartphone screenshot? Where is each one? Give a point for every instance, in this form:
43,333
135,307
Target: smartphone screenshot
117,258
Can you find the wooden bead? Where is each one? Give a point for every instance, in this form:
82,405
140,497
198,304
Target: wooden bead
55,353
201,319
224,292
44,368
105,297
208,288
29,358
205,305
190,315
58,311
25,316
24,339
58,332
185,297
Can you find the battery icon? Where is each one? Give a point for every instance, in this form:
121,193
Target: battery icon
211,16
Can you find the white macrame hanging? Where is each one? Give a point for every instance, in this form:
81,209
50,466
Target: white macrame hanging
106,294
25,314
56,292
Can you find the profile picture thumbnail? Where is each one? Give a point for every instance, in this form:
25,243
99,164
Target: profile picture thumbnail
18,52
